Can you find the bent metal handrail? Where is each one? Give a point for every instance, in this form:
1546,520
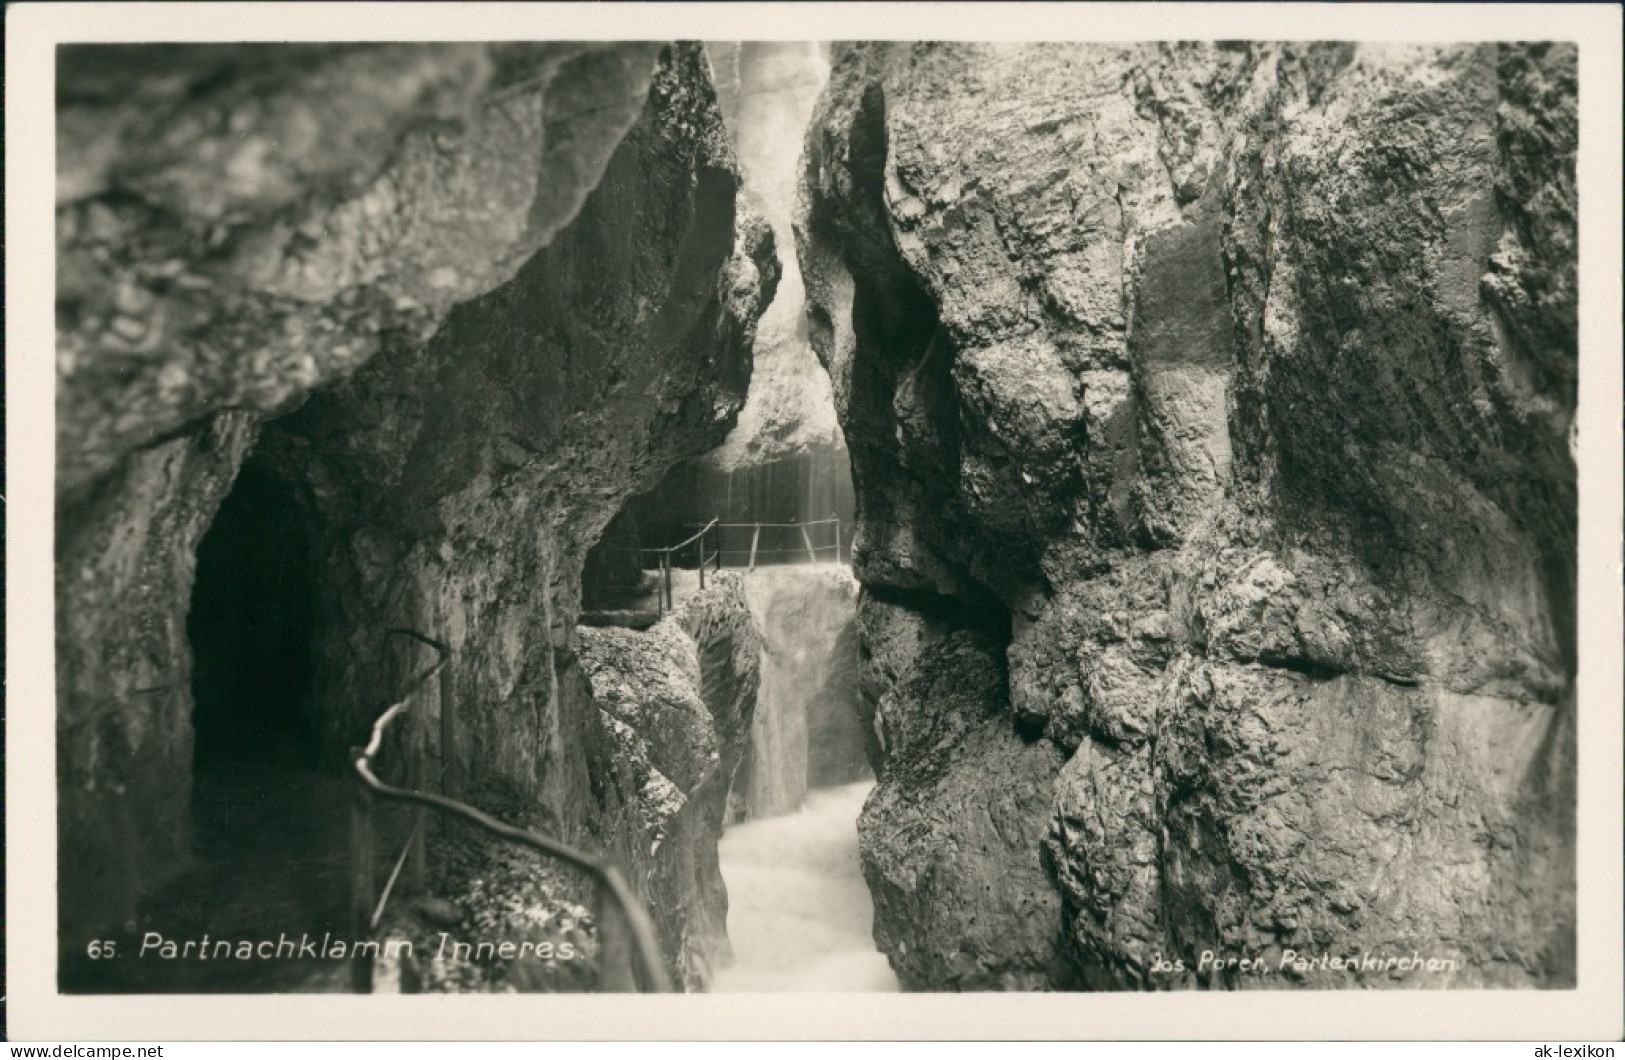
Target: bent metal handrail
668,549
609,880
787,526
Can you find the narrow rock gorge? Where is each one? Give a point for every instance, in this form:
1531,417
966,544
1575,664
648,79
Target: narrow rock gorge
785,462
1149,468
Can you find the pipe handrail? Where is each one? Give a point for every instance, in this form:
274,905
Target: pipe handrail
741,526
609,879
729,551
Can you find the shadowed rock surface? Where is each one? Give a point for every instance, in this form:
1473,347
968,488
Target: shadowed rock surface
807,731
461,301
1210,411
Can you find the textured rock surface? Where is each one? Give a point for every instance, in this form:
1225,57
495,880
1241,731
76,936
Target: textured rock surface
1222,397
502,286
785,460
677,702
239,223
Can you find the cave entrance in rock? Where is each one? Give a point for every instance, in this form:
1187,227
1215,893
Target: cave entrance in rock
251,628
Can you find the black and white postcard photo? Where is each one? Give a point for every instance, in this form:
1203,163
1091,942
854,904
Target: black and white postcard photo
1119,519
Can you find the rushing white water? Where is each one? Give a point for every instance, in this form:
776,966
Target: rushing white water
799,914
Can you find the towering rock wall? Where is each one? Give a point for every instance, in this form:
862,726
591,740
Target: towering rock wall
462,300
785,461
1210,409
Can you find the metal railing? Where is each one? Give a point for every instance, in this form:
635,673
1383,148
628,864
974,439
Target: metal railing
628,948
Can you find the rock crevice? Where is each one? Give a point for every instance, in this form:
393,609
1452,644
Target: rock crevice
460,318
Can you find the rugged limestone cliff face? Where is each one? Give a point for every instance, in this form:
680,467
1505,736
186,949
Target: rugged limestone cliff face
461,301
1210,411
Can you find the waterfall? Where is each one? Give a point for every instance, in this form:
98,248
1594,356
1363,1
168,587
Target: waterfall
799,915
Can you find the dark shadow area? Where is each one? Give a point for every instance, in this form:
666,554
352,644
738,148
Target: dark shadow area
268,877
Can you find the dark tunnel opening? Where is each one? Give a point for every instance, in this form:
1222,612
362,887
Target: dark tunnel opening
251,628
269,831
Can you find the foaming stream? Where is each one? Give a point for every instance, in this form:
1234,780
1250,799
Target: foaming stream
799,913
